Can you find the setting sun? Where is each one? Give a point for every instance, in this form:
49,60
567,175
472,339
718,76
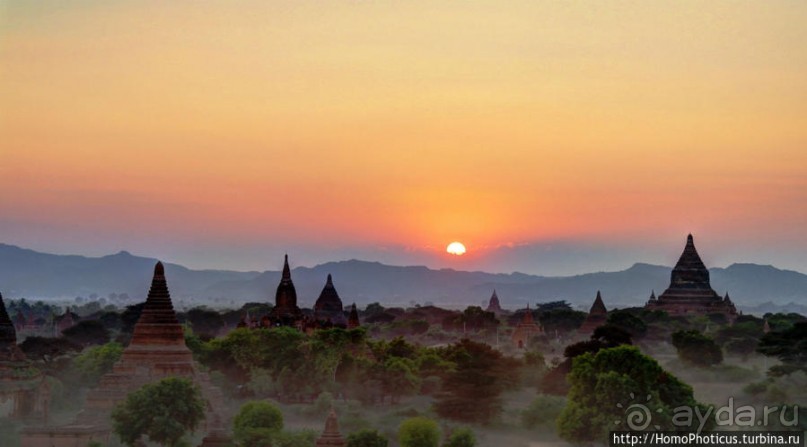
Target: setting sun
456,248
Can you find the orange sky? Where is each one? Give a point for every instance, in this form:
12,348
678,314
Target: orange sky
225,134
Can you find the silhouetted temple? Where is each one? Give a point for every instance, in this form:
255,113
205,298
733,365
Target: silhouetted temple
597,316
286,312
330,435
328,308
493,305
690,292
24,391
157,350
525,330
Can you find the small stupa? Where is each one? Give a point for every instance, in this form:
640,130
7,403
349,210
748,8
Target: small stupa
525,330
330,435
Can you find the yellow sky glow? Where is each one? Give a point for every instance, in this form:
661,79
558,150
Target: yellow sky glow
404,123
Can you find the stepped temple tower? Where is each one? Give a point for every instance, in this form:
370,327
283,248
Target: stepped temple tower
328,307
286,312
689,292
157,350
330,435
525,330
353,319
597,317
493,305
24,392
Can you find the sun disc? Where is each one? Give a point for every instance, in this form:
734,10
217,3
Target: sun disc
456,248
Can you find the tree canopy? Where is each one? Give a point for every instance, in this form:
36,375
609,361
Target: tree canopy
163,411
605,383
696,349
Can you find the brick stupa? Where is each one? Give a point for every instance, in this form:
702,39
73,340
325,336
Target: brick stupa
157,350
525,330
690,292
597,316
330,435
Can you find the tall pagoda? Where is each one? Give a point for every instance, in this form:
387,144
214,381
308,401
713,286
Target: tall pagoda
286,312
157,350
690,292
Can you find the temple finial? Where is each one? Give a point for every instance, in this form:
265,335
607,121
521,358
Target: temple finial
286,269
159,270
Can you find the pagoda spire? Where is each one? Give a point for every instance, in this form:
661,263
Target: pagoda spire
599,306
286,269
158,322
8,335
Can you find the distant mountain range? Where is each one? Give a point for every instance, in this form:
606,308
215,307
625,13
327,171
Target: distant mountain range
34,275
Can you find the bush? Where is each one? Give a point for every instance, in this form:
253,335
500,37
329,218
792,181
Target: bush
257,423
298,438
366,438
461,437
419,432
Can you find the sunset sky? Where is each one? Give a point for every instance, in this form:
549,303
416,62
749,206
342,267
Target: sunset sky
549,137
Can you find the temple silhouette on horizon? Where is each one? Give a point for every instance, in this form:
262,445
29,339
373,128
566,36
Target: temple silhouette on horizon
690,292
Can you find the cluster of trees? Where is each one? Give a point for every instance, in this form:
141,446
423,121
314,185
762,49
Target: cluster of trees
466,378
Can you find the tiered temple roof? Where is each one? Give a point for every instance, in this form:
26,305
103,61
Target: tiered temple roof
597,316
690,292
328,306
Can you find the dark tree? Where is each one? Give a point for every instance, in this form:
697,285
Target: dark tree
205,322
628,322
562,320
610,335
87,333
47,349
789,346
614,376
696,349
472,393
163,411
366,438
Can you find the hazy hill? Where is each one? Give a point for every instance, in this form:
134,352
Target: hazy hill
27,273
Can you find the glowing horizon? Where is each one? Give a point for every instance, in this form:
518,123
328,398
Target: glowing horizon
210,134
